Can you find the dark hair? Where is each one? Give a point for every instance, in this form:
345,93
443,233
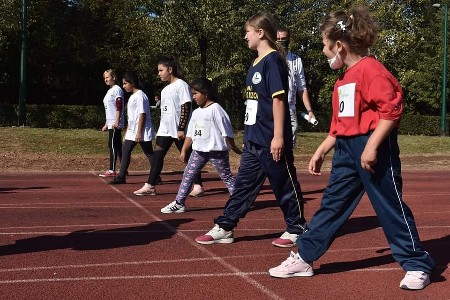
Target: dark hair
205,86
133,78
356,28
171,62
284,29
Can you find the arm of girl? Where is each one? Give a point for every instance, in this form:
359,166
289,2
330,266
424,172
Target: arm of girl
141,121
184,117
277,145
232,145
319,156
118,111
369,155
187,143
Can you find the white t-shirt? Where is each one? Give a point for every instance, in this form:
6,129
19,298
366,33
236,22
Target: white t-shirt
208,128
297,81
172,97
109,101
138,104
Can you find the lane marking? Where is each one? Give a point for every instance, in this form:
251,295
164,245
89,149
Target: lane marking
230,267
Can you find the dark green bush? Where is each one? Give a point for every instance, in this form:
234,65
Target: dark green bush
78,116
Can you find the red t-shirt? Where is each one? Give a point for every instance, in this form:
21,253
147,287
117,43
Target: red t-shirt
364,94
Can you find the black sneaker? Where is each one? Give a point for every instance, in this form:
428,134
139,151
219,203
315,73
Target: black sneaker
117,180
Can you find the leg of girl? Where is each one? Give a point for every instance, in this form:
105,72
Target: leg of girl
221,161
197,160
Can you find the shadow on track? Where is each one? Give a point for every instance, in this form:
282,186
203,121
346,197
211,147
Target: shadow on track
97,239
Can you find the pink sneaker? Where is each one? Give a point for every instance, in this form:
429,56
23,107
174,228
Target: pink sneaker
146,190
293,266
108,173
216,236
286,240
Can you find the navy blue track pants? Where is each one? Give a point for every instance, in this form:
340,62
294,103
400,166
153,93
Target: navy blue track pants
256,165
347,184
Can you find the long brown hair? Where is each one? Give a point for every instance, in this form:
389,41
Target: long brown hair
265,21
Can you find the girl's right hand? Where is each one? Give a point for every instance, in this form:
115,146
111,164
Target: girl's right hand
315,164
104,128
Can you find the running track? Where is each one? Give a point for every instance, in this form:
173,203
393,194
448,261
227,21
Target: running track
72,236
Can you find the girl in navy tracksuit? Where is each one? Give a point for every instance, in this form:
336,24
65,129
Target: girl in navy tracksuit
267,149
367,107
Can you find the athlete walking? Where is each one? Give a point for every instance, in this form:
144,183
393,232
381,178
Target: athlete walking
210,134
267,149
367,107
176,105
114,107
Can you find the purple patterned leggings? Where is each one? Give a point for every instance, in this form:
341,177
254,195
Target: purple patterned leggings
197,160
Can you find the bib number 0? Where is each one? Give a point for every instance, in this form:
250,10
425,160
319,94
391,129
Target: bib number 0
347,100
250,112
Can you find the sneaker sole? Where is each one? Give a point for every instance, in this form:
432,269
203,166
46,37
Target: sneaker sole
221,241
283,246
298,274
144,194
425,283
198,195
173,211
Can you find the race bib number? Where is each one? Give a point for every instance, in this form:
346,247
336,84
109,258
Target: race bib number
346,95
201,129
166,108
250,112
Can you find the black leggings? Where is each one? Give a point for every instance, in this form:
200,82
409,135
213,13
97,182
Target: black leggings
163,144
115,147
127,148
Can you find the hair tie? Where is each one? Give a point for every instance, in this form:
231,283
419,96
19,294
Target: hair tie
342,25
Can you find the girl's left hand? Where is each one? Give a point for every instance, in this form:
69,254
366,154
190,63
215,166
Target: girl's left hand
276,148
183,156
369,159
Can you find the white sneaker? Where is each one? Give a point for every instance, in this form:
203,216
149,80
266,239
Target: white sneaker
197,191
216,235
146,190
415,280
293,266
173,207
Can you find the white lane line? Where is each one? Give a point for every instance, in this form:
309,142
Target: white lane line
230,267
118,231
192,275
172,261
38,280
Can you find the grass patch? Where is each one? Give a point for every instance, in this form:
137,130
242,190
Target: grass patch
94,142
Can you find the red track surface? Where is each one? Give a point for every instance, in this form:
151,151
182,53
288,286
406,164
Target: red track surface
72,236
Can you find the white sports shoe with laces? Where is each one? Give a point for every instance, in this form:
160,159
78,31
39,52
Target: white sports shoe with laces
173,207
293,266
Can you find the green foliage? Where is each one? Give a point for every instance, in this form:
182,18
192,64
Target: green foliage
420,125
71,43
